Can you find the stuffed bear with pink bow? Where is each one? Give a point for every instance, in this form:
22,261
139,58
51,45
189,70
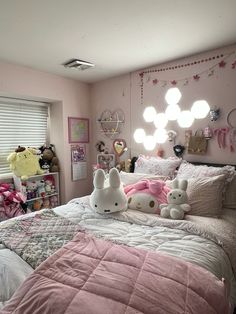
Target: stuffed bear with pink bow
147,195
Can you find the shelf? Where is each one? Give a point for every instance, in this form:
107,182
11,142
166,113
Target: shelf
110,121
109,132
40,197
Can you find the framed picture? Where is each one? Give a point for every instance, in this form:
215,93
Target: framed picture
78,130
106,161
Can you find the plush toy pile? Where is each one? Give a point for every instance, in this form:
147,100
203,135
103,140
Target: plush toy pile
24,162
12,203
146,195
111,198
177,201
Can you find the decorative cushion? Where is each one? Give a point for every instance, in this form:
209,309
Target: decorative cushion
205,195
157,166
188,170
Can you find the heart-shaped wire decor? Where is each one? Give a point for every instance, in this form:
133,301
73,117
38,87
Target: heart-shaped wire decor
119,146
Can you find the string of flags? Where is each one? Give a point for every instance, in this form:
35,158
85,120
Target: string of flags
222,62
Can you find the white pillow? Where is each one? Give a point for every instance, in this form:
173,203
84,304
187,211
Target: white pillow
188,170
157,166
128,178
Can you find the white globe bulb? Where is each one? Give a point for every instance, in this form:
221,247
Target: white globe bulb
185,119
172,112
173,96
149,114
149,142
139,135
160,120
200,109
160,136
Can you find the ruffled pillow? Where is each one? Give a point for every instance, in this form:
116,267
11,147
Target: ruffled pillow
188,170
157,166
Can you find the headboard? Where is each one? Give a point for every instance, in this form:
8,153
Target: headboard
210,164
133,160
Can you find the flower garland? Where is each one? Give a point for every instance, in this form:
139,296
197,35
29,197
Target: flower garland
195,77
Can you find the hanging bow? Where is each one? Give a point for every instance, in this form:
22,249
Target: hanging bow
221,136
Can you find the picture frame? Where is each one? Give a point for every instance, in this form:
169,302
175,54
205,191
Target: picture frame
106,161
78,130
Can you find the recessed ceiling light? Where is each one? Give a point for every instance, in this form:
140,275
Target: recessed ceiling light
78,64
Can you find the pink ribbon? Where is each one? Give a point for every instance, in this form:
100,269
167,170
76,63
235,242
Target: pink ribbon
154,187
221,136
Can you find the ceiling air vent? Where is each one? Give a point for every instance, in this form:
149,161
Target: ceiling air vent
78,64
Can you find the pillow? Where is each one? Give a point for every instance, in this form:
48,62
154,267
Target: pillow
205,195
157,166
188,170
230,195
128,178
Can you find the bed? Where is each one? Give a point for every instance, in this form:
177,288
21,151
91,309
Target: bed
72,260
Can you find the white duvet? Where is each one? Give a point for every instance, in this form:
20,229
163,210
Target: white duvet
133,228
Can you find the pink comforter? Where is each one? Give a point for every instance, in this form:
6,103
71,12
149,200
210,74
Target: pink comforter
90,275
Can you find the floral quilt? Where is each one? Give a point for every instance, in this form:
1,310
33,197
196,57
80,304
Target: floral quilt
34,239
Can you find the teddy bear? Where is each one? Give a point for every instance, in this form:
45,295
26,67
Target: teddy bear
177,201
24,162
48,160
146,195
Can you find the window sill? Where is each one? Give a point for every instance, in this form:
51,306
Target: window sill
6,176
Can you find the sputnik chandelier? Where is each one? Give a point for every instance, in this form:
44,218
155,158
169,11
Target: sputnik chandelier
173,112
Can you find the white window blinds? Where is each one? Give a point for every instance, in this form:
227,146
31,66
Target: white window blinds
22,123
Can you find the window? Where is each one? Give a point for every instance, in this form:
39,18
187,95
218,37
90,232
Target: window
22,123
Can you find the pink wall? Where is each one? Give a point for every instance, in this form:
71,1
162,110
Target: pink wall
124,92
69,98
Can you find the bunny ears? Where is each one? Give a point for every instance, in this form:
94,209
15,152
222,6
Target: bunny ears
154,187
180,184
99,178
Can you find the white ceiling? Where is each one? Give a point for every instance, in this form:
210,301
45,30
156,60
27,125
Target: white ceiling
119,36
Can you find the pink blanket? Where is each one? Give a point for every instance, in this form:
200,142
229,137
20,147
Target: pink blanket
90,275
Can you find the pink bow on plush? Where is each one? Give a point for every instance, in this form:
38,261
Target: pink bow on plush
154,187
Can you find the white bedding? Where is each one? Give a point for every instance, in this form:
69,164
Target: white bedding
135,229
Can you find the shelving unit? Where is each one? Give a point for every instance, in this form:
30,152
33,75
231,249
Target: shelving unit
111,123
45,197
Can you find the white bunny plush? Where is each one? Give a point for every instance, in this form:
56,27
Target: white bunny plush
177,200
109,199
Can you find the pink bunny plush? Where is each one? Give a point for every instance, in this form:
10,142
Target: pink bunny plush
146,195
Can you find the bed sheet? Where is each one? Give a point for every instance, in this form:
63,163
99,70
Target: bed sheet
134,229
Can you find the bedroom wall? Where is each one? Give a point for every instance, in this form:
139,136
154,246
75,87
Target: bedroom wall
124,92
68,98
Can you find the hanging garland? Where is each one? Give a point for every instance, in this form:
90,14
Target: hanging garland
196,77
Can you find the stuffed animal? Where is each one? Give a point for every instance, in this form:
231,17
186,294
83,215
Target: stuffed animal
146,195
46,203
31,189
37,204
177,200
108,199
48,160
41,192
24,162
53,201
